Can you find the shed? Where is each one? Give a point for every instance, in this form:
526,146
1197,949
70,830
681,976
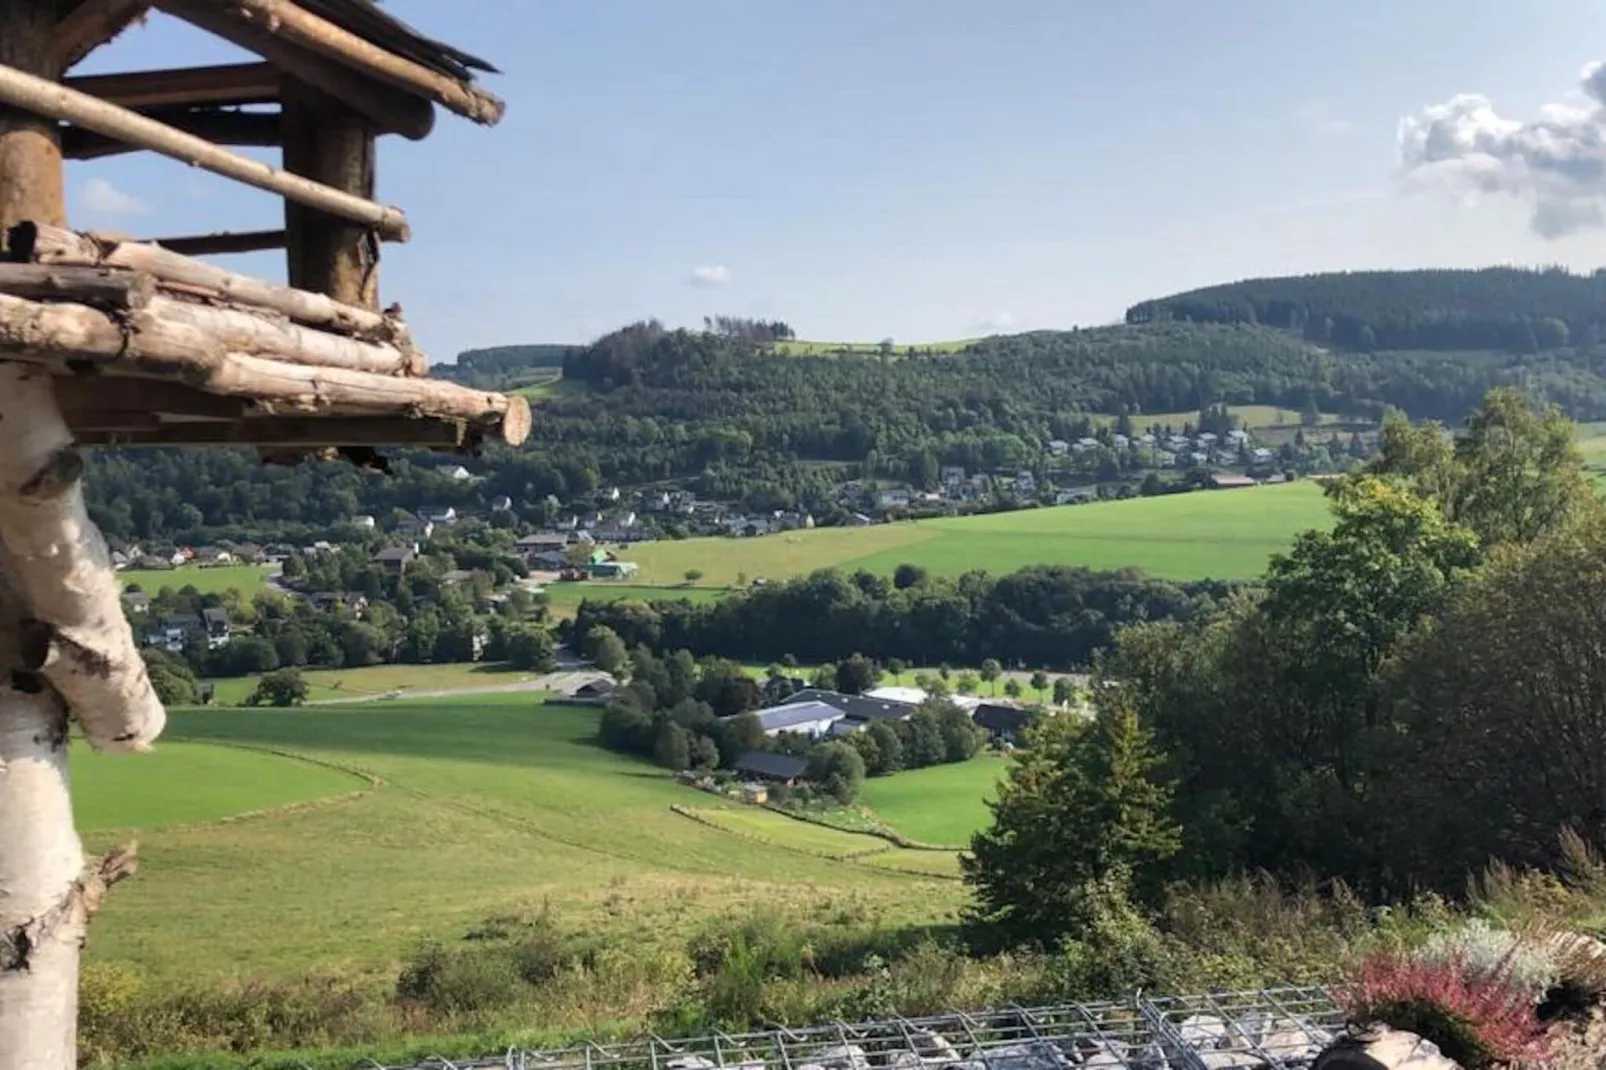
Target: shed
775,768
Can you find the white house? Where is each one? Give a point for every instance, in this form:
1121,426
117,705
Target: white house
456,471
896,498
1058,447
364,522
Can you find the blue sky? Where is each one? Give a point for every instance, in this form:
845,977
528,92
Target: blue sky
930,169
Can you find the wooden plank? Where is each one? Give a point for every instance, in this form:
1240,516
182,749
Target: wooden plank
301,27
77,338
101,287
245,241
328,142
82,395
51,100
391,110
231,84
94,23
58,245
282,432
219,127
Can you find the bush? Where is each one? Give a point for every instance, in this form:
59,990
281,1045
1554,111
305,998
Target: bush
1117,951
1484,952
461,980
1475,1021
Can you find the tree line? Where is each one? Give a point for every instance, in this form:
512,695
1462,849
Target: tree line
1048,616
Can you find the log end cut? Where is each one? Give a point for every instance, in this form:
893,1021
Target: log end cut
516,422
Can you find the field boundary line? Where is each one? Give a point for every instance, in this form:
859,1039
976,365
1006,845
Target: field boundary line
373,782
891,835
850,859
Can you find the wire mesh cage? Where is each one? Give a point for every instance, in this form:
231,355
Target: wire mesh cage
1279,1029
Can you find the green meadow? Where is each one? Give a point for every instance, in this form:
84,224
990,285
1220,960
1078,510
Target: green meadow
247,579
1227,534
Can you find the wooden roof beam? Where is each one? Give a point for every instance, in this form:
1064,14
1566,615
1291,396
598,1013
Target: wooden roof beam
279,432
39,96
231,84
390,109
222,244
94,23
218,127
296,24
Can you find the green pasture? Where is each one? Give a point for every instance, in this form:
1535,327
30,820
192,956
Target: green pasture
941,805
1226,534
247,579
325,685
485,806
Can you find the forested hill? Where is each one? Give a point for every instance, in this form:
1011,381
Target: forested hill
1507,309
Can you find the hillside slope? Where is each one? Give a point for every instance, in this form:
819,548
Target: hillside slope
1497,308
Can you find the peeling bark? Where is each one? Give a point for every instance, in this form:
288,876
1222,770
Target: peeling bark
58,565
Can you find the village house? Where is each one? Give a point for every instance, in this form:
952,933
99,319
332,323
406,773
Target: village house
396,558
1260,456
136,602
456,471
893,498
1056,447
438,514
415,528
216,622
952,476
364,522
1025,482
501,503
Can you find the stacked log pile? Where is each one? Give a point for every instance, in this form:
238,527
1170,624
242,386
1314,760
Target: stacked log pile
218,357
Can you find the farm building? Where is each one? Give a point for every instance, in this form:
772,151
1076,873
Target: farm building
774,768
814,712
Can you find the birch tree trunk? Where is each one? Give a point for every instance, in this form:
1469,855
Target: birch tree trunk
42,908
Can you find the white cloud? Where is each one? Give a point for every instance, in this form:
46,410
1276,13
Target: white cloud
1557,162
997,323
103,198
711,275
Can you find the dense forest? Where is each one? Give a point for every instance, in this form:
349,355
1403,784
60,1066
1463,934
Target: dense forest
1506,309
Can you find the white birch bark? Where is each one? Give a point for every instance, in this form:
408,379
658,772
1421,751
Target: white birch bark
60,570
42,912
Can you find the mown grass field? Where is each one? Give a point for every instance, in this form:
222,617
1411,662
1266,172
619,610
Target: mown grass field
803,348
325,685
247,579
1206,534
940,805
188,782
1254,417
491,805
563,599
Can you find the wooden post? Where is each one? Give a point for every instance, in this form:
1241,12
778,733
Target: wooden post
329,143
62,635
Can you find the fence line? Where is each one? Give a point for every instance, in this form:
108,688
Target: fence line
1266,1029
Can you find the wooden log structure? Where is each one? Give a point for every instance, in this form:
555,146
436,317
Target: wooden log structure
229,85
390,109
91,24
44,244
219,126
65,649
243,241
43,97
78,339
111,341
301,27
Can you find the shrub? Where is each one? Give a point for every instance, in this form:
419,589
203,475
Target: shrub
1483,952
461,980
1477,1021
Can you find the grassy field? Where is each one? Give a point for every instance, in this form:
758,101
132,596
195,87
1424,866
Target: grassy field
326,684
801,348
563,599
187,782
1218,534
247,579
941,805
488,806
1254,417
